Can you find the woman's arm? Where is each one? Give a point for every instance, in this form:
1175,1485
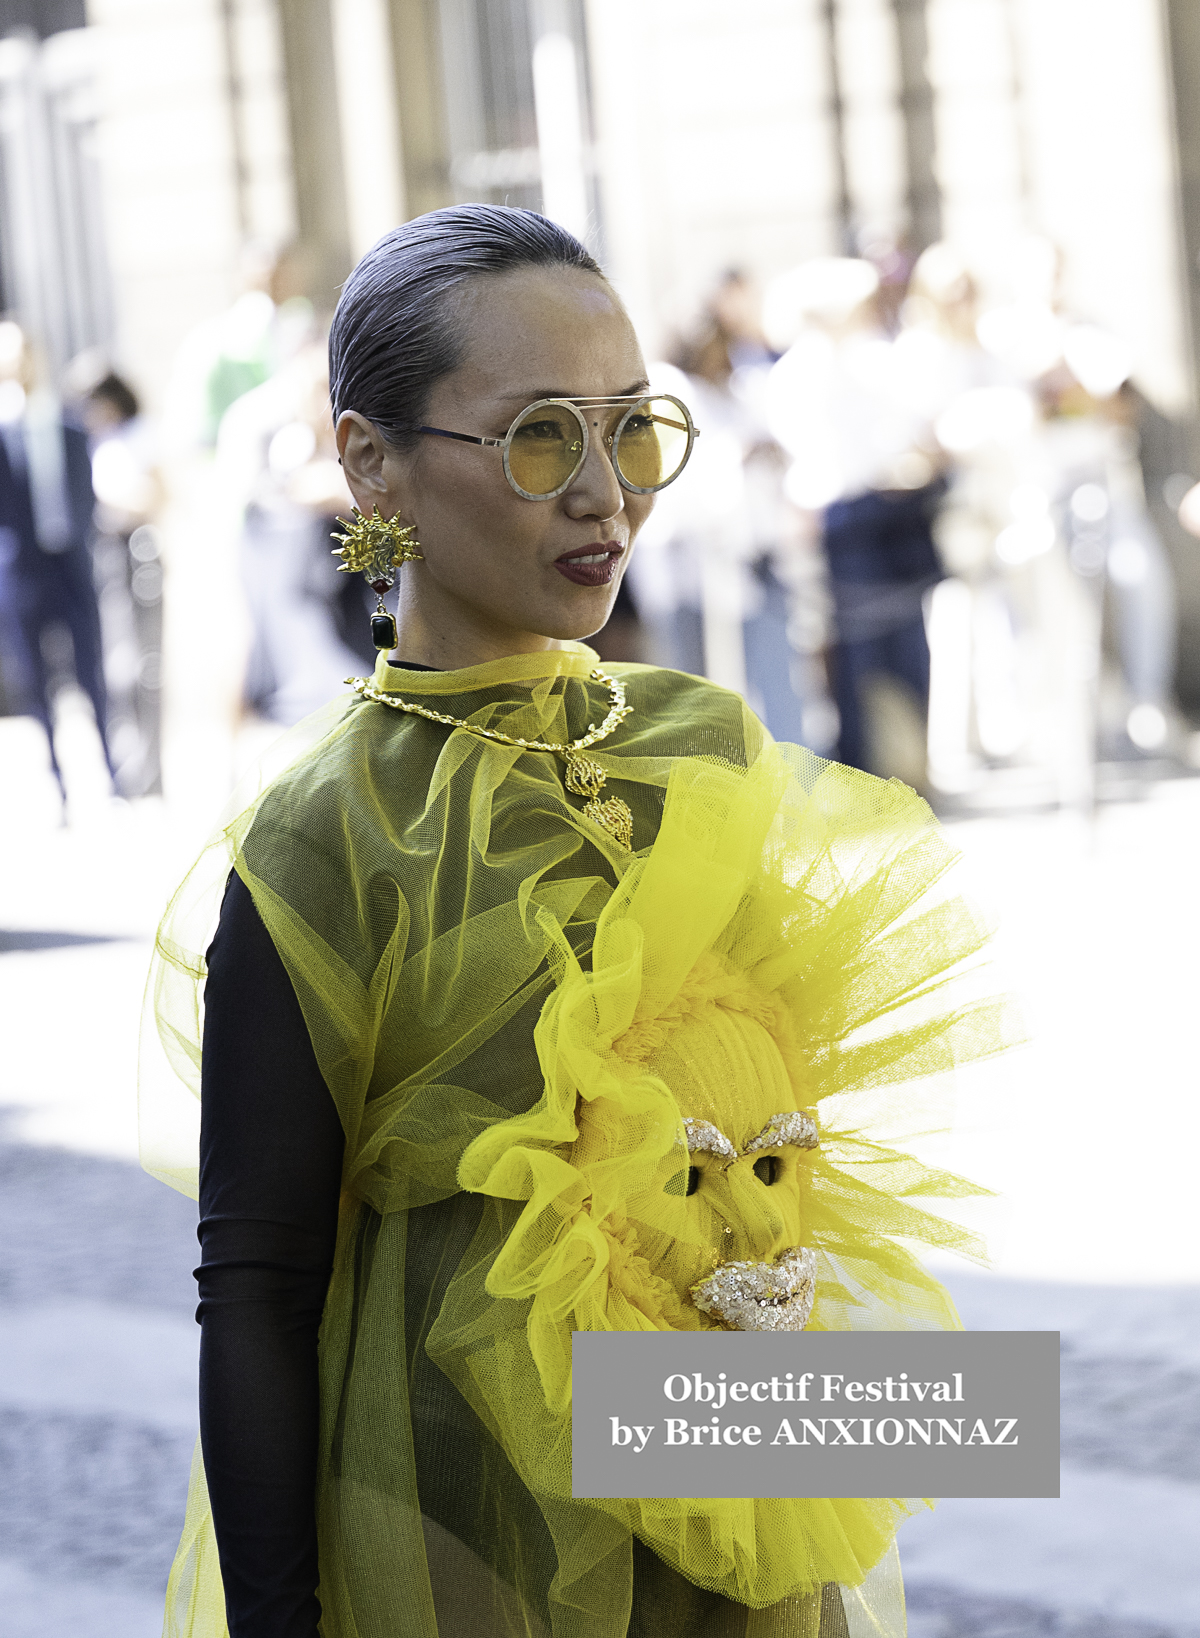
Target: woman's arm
270,1173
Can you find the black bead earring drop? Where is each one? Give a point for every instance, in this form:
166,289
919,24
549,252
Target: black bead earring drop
383,625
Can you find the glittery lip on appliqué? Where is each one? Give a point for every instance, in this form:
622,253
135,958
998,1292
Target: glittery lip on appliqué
758,1296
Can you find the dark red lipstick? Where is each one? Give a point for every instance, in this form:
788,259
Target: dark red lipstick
593,565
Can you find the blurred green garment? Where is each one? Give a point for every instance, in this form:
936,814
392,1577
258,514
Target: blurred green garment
515,1016
251,341
230,355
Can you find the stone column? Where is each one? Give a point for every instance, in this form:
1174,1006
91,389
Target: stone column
920,140
1174,445
1182,27
306,29
420,105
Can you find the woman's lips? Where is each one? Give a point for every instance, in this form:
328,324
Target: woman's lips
590,565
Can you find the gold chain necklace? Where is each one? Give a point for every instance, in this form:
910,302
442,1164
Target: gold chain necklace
584,777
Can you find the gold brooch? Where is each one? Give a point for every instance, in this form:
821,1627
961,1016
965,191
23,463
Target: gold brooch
585,777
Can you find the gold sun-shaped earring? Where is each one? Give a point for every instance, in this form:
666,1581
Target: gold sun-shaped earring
376,547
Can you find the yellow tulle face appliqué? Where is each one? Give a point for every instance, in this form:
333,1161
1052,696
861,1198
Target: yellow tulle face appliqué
717,1054
717,1048
704,1000
771,1293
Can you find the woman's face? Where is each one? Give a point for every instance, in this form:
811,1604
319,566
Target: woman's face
502,574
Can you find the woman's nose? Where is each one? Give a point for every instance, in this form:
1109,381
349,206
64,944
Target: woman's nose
596,492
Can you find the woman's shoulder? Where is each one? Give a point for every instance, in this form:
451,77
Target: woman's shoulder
341,757
681,688
705,717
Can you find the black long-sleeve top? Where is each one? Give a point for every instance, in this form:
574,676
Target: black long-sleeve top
271,1148
270,1173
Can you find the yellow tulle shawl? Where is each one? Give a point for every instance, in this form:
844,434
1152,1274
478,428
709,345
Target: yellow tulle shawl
513,1016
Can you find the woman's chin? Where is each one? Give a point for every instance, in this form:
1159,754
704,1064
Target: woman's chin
569,614
588,615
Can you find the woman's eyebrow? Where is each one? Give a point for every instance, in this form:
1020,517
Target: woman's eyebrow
531,397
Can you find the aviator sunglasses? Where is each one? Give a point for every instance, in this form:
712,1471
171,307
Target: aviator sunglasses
649,437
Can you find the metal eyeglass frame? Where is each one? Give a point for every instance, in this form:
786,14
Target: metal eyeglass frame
576,405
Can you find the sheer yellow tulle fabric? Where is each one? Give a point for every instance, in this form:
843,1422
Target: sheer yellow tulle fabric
514,1016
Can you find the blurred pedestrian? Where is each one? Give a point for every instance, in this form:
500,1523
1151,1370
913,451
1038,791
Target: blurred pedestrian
207,629
717,358
244,346
863,455
1091,415
46,534
127,560
1092,499
277,462
723,573
983,686
728,333
662,610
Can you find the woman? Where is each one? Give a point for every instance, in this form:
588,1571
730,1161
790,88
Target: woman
540,996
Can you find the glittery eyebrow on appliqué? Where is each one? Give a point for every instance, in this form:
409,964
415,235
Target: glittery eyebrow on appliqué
793,1126
704,1137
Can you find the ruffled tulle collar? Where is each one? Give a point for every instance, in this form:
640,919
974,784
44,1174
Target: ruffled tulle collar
572,660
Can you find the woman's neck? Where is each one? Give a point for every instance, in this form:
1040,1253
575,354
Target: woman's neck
454,644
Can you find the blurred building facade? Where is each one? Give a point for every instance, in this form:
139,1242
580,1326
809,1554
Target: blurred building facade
681,139
54,270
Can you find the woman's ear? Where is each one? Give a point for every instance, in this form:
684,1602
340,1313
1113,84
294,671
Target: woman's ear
365,457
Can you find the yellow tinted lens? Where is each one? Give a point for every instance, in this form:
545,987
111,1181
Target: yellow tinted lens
653,444
545,449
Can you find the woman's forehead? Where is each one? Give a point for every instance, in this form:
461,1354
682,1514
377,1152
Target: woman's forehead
540,326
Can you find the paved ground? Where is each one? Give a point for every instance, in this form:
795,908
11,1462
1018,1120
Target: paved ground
1091,1136
1116,1555
97,1391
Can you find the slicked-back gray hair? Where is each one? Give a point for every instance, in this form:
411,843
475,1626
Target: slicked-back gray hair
393,337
